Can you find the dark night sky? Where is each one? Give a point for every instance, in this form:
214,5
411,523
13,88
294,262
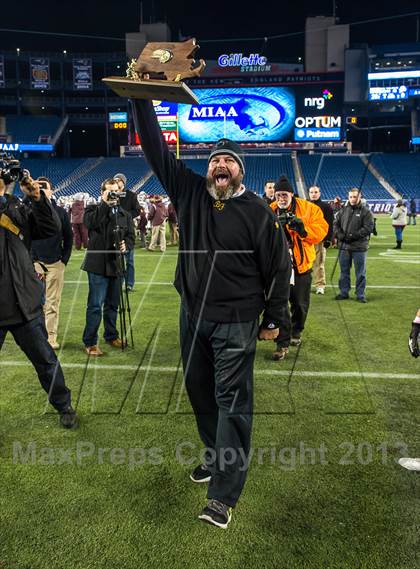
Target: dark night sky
203,19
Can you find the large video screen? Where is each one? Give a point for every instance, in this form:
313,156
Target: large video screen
298,113
394,85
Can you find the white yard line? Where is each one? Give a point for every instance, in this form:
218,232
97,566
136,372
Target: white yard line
164,283
268,372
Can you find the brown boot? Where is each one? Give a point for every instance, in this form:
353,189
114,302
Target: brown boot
280,354
94,351
117,343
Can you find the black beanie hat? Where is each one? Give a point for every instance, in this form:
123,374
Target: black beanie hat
226,146
283,185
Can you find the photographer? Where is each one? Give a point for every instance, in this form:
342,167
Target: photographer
54,254
21,291
304,226
104,265
353,225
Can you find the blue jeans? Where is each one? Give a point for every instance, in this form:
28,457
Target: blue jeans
399,233
104,296
129,265
346,259
32,339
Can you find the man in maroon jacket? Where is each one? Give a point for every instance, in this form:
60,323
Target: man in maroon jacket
158,214
80,233
173,224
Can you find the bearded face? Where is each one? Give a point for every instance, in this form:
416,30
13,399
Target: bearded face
224,177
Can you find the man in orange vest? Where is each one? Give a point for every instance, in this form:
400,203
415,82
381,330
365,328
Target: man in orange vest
304,226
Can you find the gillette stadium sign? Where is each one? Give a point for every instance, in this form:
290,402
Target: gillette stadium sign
238,60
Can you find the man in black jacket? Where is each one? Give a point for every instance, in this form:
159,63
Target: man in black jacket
103,264
233,264
318,268
353,225
269,192
54,254
131,205
21,290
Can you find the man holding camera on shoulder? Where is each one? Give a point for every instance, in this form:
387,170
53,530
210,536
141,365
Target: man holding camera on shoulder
111,234
304,226
21,290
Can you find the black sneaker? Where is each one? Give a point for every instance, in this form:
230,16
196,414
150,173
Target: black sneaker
217,514
69,419
341,297
201,474
361,299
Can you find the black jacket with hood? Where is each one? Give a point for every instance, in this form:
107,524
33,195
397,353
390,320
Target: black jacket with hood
21,290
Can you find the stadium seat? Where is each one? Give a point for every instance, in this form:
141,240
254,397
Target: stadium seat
336,174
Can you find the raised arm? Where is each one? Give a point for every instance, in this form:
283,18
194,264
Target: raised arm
175,177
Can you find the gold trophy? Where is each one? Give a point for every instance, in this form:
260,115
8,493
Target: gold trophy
165,65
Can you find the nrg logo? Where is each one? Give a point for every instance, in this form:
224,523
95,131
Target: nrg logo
318,102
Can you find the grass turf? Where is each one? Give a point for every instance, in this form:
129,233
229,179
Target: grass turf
346,504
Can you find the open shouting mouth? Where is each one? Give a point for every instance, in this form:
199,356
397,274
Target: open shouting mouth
221,179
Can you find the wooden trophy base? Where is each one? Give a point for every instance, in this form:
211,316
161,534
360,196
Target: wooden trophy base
174,91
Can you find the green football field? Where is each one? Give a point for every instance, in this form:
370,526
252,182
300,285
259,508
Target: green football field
324,489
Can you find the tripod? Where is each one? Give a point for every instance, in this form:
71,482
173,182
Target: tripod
124,309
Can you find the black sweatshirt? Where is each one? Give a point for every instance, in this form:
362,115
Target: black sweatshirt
328,214
102,256
58,247
21,290
234,260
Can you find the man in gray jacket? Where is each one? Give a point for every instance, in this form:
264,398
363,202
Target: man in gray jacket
353,225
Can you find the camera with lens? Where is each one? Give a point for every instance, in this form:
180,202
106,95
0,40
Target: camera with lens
285,217
12,171
116,195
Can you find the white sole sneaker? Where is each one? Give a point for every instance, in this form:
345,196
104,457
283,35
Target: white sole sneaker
209,520
410,463
202,481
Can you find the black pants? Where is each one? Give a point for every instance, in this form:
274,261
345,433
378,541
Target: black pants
32,338
300,295
218,361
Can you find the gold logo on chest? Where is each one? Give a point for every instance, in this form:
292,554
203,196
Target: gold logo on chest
219,205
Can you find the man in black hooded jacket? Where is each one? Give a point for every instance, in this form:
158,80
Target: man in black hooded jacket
233,264
21,291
